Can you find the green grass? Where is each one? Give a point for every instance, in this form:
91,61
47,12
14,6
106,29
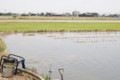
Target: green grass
2,45
57,26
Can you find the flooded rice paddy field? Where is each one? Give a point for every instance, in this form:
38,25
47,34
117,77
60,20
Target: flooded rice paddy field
83,55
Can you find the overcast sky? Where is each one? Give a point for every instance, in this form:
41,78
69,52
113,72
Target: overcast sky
60,6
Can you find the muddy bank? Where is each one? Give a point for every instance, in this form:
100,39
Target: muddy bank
10,32
32,33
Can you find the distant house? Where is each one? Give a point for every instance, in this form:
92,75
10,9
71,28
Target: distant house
42,14
24,14
33,14
57,15
1,14
67,14
114,15
49,14
53,14
89,15
75,13
118,15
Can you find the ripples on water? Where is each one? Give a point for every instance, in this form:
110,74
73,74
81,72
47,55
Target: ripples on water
84,55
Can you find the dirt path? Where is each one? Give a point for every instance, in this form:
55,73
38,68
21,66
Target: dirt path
15,77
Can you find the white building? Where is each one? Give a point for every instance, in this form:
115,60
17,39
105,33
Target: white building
76,13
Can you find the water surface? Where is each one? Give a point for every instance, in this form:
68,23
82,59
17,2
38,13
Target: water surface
83,55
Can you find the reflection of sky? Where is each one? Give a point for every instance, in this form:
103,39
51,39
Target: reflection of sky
97,58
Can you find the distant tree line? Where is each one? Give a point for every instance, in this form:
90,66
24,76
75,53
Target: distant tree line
74,14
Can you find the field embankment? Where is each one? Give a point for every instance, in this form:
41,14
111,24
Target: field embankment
58,26
56,18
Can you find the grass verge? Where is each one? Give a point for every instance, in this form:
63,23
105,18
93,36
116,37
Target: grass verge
2,46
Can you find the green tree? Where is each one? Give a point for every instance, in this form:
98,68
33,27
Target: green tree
14,16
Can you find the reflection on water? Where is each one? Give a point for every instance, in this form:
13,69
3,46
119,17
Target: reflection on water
84,55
